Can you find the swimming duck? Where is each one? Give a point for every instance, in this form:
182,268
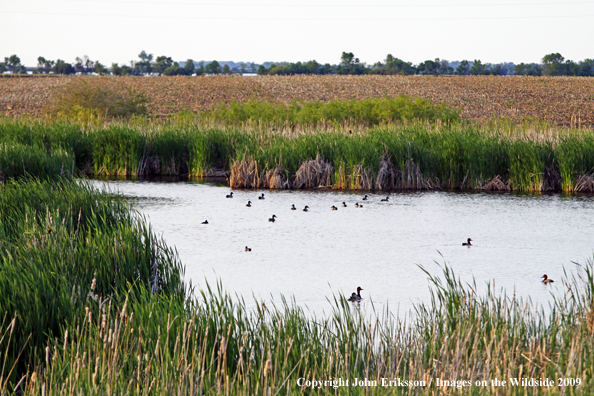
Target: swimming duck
261,196
546,280
467,243
249,204
293,207
353,297
344,205
306,208
365,197
385,199
247,249
272,218
205,222
358,206
230,195
334,207
358,295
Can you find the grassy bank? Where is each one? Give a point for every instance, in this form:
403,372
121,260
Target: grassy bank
400,156
92,302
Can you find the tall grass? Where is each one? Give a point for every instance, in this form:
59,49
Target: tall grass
62,245
399,156
215,345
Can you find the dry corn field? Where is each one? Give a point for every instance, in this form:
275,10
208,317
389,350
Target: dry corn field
562,101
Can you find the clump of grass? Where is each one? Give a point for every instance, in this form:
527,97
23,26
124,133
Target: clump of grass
85,101
18,161
64,244
367,112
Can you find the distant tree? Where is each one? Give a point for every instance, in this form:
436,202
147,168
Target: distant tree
444,68
586,67
99,68
497,70
13,65
463,69
161,63
226,69
395,66
3,68
478,68
553,65
200,69
44,66
262,70
213,68
145,66
429,67
189,67
61,67
350,65
528,69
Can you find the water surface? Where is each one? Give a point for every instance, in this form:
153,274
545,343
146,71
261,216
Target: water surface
317,254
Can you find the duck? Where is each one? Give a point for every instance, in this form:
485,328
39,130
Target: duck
249,204
205,222
306,208
247,249
546,280
261,196
272,219
357,205
344,205
357,295
385,199
353,297
365,197
230,195
334,207
467,243
293,207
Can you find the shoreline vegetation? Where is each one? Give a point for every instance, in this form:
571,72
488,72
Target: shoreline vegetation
409,155
93,303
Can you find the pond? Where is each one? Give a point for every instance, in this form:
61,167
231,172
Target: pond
315,255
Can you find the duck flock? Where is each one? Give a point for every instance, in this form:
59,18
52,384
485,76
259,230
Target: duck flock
355,296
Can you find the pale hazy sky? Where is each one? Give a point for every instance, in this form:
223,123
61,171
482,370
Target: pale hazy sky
296,30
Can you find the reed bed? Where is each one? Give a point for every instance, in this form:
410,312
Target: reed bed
414,155
62,245
560,101
214,345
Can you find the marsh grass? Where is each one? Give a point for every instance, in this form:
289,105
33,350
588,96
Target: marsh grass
400,156
215,345
62,245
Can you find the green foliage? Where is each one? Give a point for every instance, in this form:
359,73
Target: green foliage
18,161
63,244
366,112
83,101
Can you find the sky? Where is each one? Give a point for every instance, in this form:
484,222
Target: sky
296,30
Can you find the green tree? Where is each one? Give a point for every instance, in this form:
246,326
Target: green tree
145,66
586,67
61,67
478,68
13,65
189,67
226,69
429,67
44,66
528,69
161,63
213,68
463,69
99,68
553,65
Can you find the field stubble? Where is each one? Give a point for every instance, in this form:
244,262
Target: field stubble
561,101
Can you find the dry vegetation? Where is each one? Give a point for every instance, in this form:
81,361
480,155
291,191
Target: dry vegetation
563,101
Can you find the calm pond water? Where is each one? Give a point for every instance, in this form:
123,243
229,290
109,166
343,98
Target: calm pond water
317,254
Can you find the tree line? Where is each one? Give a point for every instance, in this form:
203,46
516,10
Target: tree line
553,64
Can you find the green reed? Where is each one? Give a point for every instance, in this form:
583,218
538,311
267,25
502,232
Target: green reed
411,155
64,244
